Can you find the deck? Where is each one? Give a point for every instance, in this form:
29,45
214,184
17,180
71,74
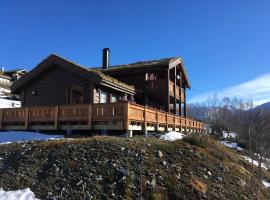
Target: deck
123,116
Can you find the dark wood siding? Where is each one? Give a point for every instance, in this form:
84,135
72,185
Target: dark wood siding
52,88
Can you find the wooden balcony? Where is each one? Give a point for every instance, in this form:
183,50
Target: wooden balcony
159,87
178,92
111,116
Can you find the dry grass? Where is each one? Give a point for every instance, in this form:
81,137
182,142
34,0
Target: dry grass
199,185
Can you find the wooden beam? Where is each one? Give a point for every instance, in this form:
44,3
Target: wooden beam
185,102
180,94
174,103
168,91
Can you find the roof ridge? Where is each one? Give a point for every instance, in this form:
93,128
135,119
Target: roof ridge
147,61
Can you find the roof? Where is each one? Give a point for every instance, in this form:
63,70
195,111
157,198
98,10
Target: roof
167,63
142,64
4,76
91,74
15,70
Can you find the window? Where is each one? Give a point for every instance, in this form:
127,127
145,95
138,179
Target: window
76,95
113,98
103,97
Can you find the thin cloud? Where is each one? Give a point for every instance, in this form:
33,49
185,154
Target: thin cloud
258,89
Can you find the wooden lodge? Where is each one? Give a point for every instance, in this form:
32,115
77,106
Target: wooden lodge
61,95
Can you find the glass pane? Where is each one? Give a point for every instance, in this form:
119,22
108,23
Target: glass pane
113,99
103,97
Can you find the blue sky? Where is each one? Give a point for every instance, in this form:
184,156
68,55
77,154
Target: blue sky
224,43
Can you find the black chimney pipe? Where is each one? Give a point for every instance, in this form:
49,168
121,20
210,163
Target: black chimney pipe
106,58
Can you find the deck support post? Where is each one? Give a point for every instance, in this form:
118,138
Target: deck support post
129,133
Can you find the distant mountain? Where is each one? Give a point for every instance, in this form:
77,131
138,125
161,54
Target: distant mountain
263,106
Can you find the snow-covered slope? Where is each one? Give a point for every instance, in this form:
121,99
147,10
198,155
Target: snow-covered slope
25,194
19,136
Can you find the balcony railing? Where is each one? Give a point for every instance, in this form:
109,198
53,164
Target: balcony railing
109,116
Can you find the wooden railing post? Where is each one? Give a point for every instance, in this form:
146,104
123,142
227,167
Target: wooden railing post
167,123
157,120
26,119
144,121
56,116
174,118
90,116
1,118
126,116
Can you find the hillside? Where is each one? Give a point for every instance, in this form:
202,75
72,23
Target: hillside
120,168
263,106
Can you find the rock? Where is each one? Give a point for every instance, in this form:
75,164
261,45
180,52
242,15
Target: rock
206,177
160,178
209,173
122,148
220,179
242,183
123,171
100,178
159,154
164,163
80,182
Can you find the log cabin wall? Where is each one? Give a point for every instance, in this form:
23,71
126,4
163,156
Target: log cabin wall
52,88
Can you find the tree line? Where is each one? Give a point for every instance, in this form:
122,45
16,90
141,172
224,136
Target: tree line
252,124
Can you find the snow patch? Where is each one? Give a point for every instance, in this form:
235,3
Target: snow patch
232,145
229,135
7,103
25,194
172,136
8,137
255,162
266,184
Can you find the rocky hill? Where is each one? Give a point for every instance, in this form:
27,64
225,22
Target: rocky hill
120,168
